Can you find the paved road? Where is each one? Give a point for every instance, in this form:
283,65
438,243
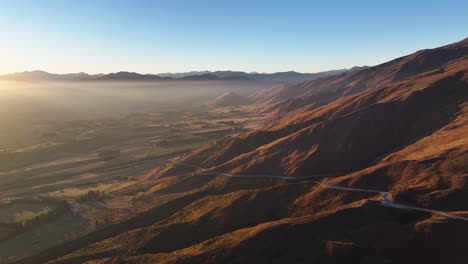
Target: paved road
386,200
385,197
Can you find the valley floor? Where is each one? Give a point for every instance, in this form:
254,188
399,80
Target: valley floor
99,169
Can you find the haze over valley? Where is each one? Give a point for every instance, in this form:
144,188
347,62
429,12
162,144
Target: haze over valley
28,109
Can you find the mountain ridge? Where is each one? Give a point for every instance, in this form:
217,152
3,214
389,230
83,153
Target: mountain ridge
189,76
229,99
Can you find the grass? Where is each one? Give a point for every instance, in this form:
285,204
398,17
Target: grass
102,187
167,150
456,165
22,211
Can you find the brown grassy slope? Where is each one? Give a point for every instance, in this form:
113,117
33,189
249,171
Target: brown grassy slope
168,196
349,134
212,216
288,224
312,94
432,172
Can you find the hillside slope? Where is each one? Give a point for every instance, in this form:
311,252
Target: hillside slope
229,99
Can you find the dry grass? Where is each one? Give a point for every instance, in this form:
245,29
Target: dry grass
102,187
456,165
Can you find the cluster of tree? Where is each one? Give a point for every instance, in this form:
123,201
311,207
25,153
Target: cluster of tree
91,196
103,222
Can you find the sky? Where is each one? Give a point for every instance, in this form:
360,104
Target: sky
102,36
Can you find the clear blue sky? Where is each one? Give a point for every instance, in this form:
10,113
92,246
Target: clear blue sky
266,36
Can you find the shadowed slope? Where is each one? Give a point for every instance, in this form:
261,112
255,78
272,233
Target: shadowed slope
370,234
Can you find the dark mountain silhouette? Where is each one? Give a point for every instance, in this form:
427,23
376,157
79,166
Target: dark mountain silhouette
280,77
209,76
183,74
129,76
45,76
286,77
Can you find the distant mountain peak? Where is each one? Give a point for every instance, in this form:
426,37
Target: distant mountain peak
229,99
228,75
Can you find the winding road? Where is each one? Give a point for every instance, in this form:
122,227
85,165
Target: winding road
385,197
385,200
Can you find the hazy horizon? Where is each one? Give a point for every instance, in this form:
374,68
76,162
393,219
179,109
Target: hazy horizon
162,73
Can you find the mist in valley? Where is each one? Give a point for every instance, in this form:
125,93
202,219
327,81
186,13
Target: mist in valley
28,109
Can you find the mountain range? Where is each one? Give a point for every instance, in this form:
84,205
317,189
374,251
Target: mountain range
279,77
365,166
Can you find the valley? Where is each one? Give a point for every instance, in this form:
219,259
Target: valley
82,176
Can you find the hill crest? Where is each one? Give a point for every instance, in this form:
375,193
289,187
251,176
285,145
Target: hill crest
229,99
